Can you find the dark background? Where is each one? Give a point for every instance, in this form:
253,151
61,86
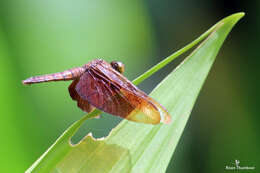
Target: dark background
38,37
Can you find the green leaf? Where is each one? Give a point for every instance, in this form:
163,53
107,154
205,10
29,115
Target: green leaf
136,147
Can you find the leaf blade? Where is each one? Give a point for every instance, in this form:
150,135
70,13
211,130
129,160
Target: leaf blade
183,76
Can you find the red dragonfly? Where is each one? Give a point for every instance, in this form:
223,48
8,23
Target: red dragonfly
102,85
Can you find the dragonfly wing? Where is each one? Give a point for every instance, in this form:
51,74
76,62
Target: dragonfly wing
139,100
111,97
82,104
102,95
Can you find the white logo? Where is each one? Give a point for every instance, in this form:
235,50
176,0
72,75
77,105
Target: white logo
238,167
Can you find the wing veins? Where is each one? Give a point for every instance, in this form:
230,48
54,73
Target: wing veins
136,93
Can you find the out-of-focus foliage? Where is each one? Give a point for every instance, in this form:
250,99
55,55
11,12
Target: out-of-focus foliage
39,37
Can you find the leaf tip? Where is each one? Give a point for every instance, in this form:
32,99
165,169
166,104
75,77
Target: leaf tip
238,15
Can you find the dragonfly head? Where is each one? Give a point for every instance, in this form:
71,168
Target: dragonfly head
118,66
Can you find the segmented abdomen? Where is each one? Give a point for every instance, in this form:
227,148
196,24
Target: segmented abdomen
70,74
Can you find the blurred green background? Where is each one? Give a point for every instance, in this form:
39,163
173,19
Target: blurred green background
38,37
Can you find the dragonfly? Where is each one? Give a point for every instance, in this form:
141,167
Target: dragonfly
99,84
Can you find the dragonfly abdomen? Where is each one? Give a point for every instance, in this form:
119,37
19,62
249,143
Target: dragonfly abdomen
70,74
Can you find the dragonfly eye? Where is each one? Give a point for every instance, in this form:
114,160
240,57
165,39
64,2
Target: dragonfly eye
118,66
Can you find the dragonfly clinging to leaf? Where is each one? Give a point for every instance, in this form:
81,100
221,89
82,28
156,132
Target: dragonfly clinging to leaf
101,85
